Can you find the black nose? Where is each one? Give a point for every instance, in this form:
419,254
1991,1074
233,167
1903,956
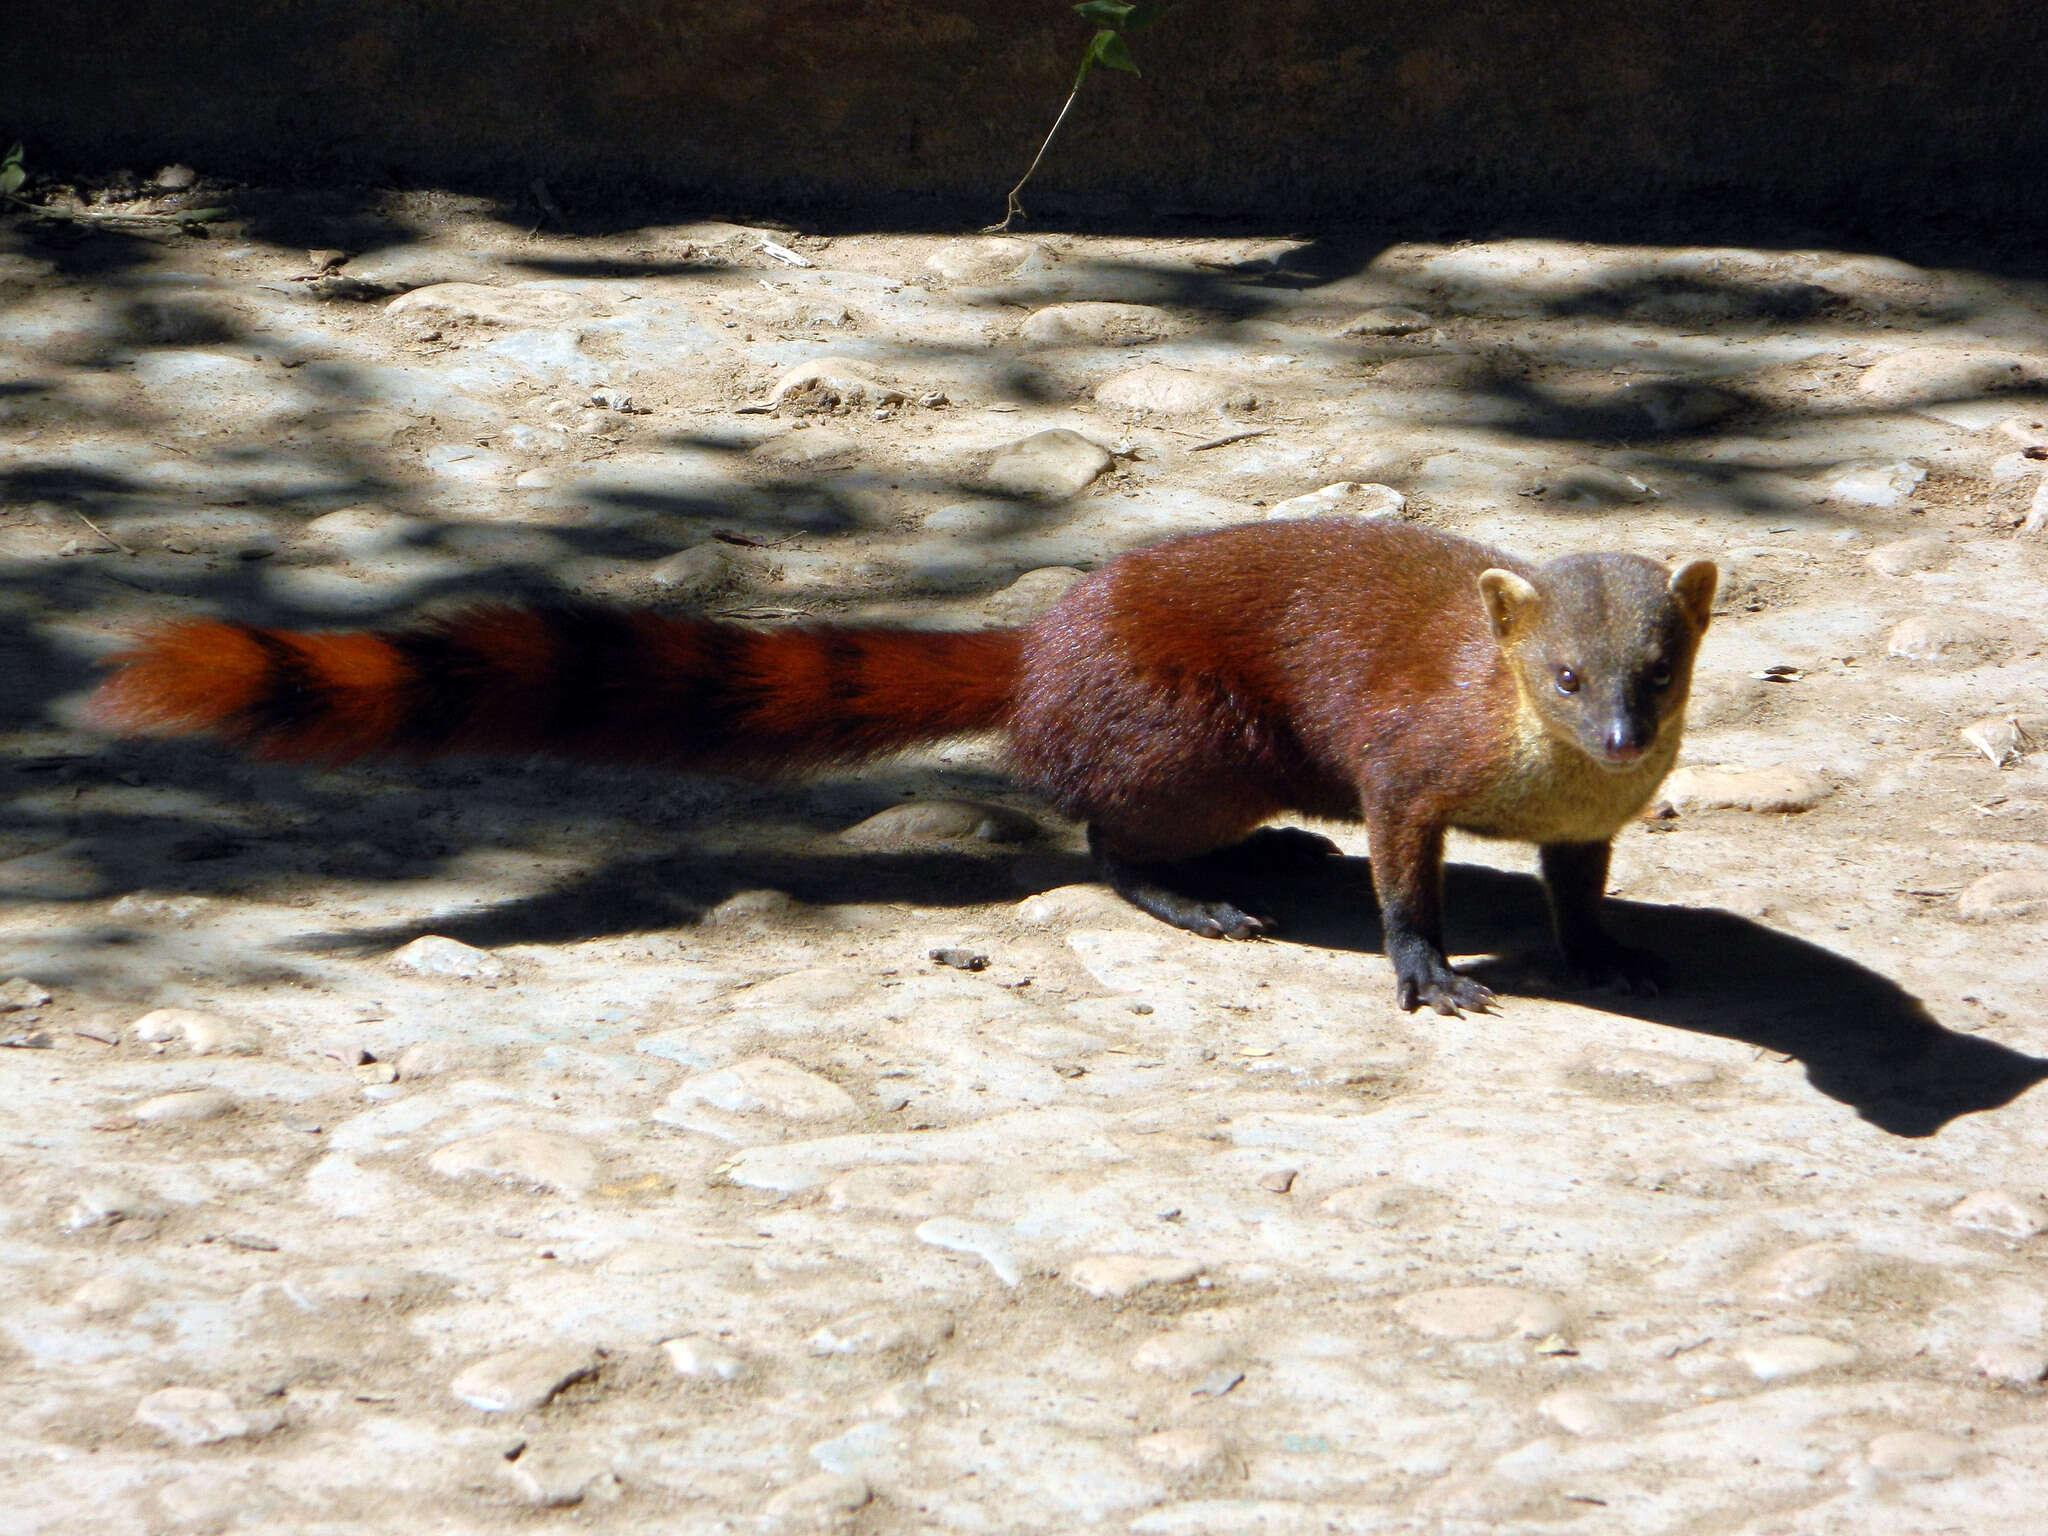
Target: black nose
1626,741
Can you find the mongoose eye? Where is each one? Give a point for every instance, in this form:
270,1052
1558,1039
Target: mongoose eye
1567,680
1660,675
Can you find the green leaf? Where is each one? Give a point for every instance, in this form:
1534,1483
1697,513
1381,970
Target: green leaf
1105,13
11,178
1114,52
1146,15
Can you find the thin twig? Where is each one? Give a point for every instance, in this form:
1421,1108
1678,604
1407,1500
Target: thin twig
1231,437
95,216
96,528
1012,209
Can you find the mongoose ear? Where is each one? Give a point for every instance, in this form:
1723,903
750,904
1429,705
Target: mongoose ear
1692,588
1511,602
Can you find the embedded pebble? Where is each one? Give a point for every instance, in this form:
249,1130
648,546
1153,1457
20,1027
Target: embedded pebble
979,261
987,1242
104,1295
882,1332
103,1205
540,1158
703,1359
515,305
1183,1452
1032,594
1180,1353
1095,322
559,1478
187,1105
2000,1211
1883,485
2005,896
1350,498
18,993
1600,486
523,1379
823,1497
931,821
1387,320
1480,1312
2006,739
1911,557
432,1058
1804,1274
764,1085
1113,1276
1781,789
1050,465
2018,1365
1171,391
831,383
1951,639
434,955
698,571
1583,1413
204,1034
1916,1453
745,908
1794,1355
202,1416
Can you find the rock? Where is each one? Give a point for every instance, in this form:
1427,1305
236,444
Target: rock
1949,638
343,1187
698,571
1171,391
1763,790
366,532
763,1085
523,1379
1804,1274
1794,1355
175,178
18,994
932,821
1032,594
1481,1312
1946,373
703,1359
1596,485
1879,485
825,1498
831,384
432,1058
2036,520
1182,1452
105,1295
987,1242
1115,1276
539,1158
2018,1365
518,305
559,1478
186,1106
1181,1352
202,1416
2000,1211
2029,429
752,908
1387,320
988,518
882,1332
1349,497
1583,1413
909,1194
204,1034
1050,465
1095,323
105,1205
1916,1453
1911,557
433,955
2004,896
981,261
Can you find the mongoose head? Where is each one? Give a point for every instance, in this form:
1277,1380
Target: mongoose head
1602,647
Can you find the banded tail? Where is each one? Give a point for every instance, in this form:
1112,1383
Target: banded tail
615,685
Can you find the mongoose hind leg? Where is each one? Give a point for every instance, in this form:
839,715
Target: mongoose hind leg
1149,888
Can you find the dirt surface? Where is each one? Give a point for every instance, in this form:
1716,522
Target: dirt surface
484,1148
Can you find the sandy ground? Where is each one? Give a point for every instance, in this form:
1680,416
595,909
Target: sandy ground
489,1148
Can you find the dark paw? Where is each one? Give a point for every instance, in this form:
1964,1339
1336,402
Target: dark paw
1281,849
1618,968
1220,920
1431,983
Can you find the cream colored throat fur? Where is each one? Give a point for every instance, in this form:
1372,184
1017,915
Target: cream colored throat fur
1552,792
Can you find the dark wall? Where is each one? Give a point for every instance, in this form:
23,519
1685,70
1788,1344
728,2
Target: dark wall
1290,107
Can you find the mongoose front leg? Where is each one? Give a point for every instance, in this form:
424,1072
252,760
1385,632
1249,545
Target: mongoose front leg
1144,887
1575,877
1408,875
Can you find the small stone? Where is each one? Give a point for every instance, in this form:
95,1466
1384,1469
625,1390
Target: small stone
1180,1352
1279,1181
703,1359
2029,429
105,1205
697,571
763,1085
983,260
1583,1413
1481,1312
2006,739
1182,1452
1050,465
1171,391
1804,1274
201,1416
747,908
831,384
1095,323
205,1502
2005,896
176,178
1952,639
432,1058
1032,594
1387,320
1598,486
1360,1204
204,1034
825,1498
186,1106
986,1241
105,1295
539,1158
1916,1453
1779,789
1114,1276
523,1379
1350,498
433,955
1911,557
2000,1211
1881,485
882,1332
517,305
18,994
558,1479
2018,1365
931,821
1794,1354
